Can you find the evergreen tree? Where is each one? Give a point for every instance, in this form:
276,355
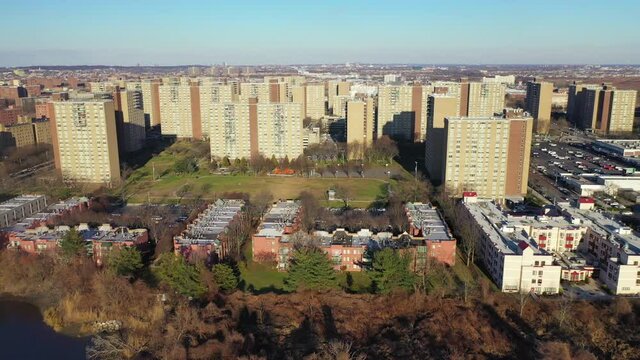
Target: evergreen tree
310,268
225,277
126,261
72,244
181,276
390,271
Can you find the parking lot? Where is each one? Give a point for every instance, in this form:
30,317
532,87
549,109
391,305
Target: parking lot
551,159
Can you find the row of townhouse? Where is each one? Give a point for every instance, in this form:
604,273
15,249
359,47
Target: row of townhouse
205,237
430,239
100,241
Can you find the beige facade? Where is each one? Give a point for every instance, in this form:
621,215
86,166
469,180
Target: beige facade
150,100
538,104
42,131
85,141
340,105
258,91
440,107
603,109
314,101
483,99
622,111
19,135
130,119
488,155
279,130
360,121
395,116
230,134
180,110
239,130
212,94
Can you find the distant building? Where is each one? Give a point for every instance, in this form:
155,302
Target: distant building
601,108
538,104
240,130
17,135
130,120
12,92
360,121
85,141
500,79
180,109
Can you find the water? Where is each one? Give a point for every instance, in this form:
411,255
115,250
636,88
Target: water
25,336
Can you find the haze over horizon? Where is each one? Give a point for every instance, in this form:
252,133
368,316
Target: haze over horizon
246,32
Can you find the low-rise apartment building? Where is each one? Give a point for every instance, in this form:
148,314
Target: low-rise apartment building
513,259
614,247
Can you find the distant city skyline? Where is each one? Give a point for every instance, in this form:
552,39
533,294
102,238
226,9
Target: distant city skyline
127,33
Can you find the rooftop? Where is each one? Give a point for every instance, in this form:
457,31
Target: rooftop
502,230
621,235
426,218
211,222
281,215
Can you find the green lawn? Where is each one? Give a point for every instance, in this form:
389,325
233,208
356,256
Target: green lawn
260,278
364,191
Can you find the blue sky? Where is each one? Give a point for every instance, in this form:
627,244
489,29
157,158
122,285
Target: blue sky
128,32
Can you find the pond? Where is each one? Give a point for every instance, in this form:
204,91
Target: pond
25,336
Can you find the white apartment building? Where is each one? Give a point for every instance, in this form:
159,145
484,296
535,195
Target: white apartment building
513,259
395,111
85,141
615,247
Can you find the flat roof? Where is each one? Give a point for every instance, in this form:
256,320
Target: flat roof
619,234
211,222
426,218
495,224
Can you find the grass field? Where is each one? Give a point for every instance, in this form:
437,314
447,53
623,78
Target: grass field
364,191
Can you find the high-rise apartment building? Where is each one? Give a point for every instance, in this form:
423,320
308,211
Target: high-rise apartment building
360,121
243,129
210,95
130,120
260,91
180,110
538,104
395,117
601,108
336,89
441,106
150,99
85,141
481,99
486,155
233,130
314,101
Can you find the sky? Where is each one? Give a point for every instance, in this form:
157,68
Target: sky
244,32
